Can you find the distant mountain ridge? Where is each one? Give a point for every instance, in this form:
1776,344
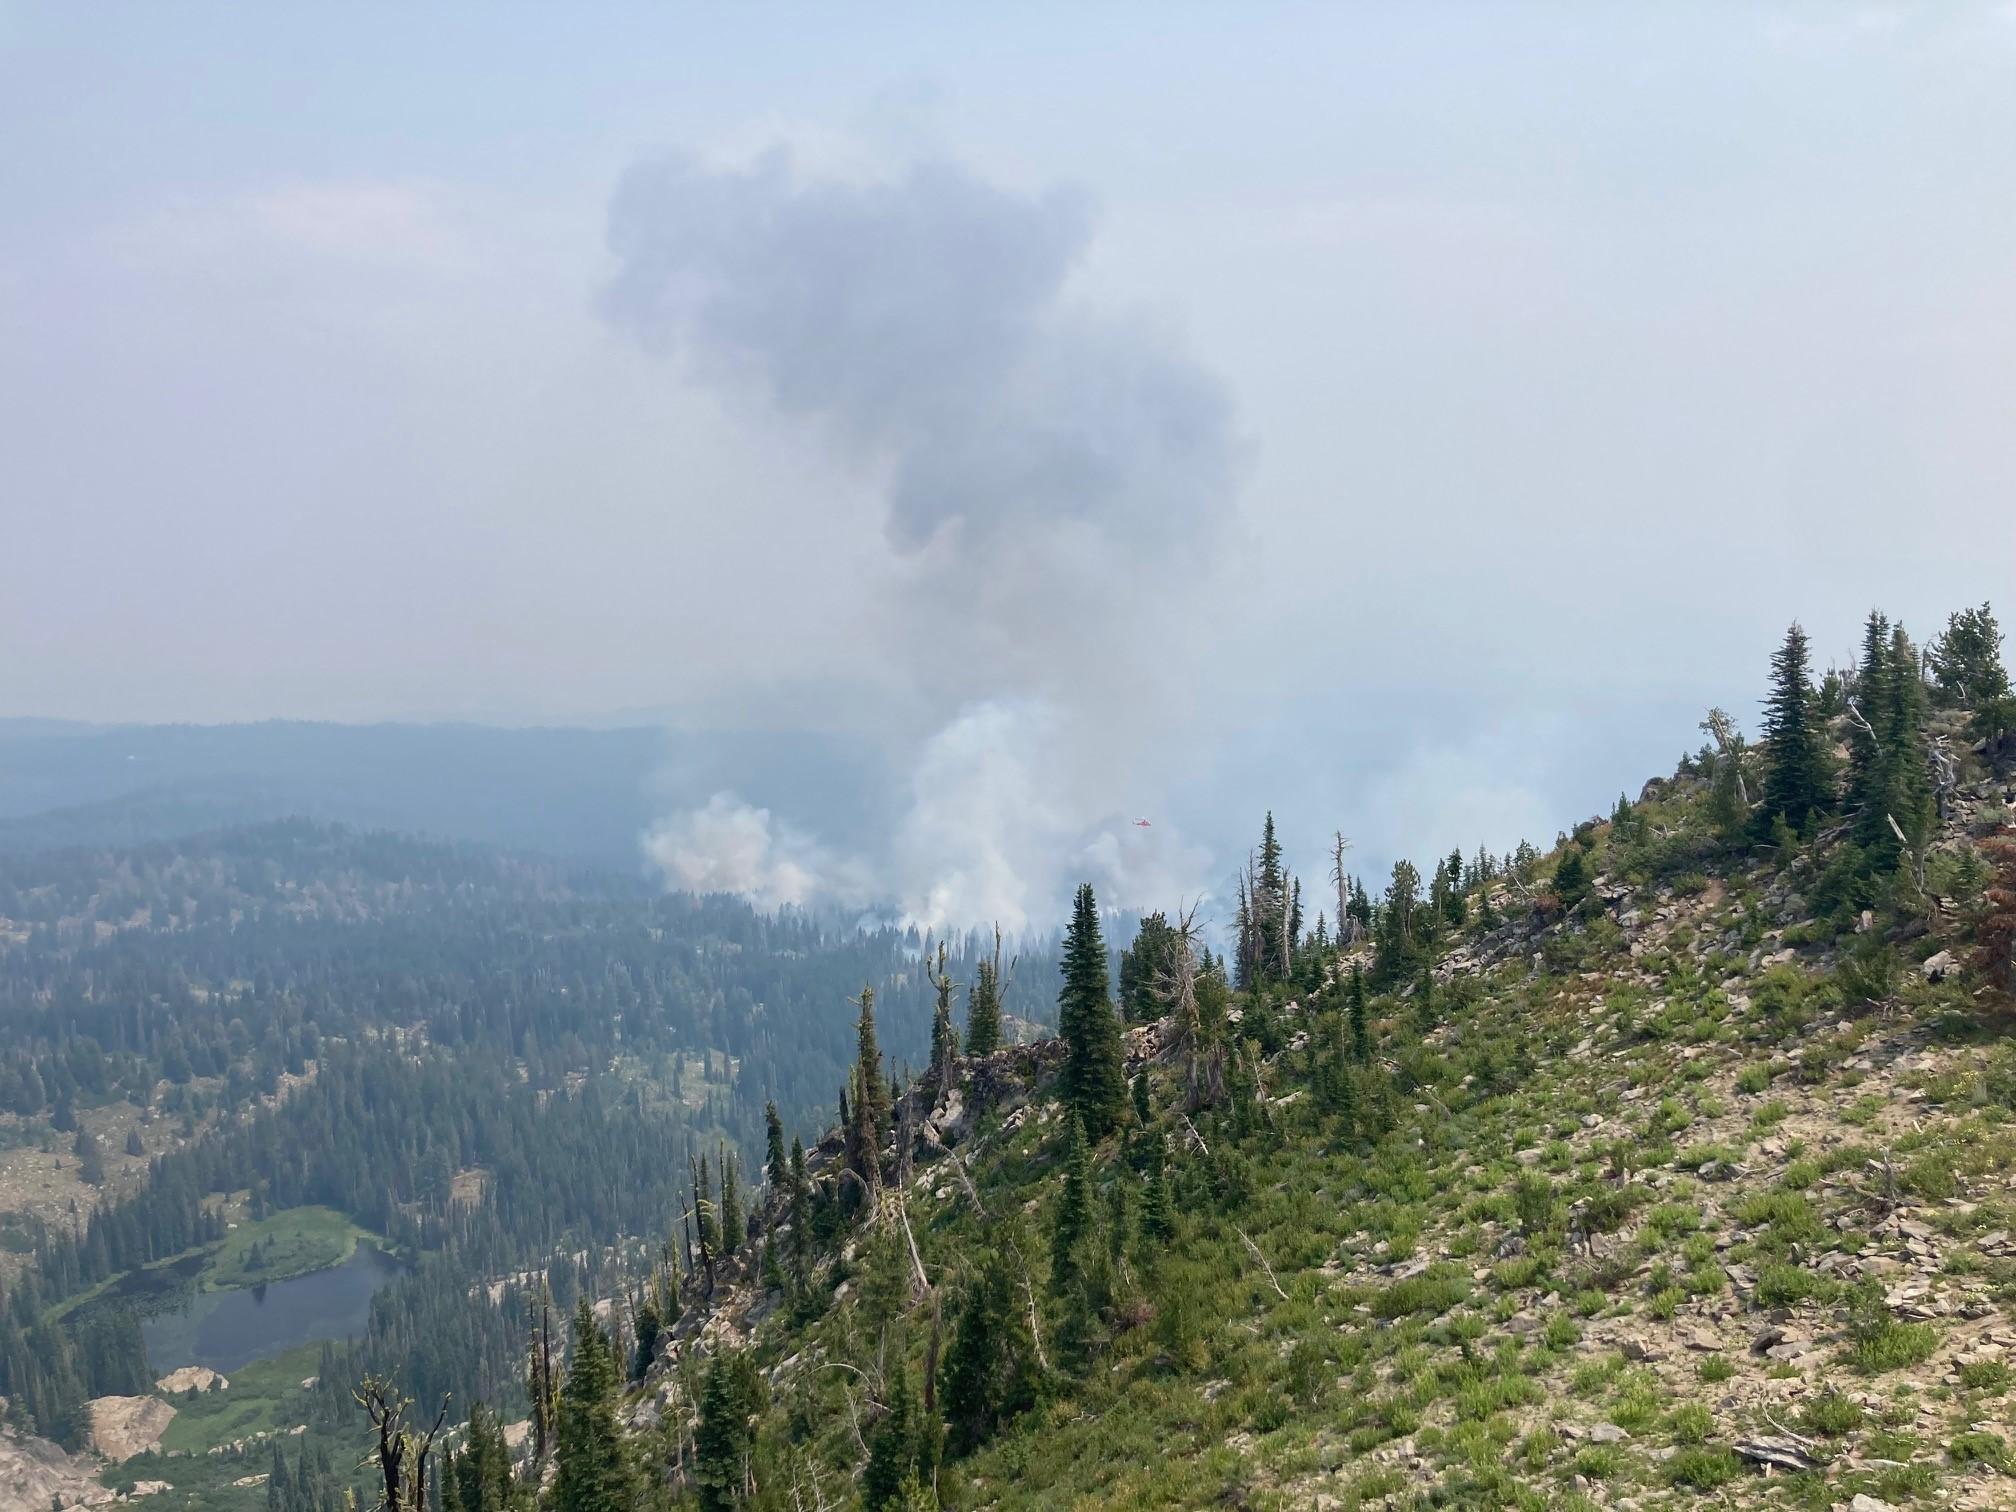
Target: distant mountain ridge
579,795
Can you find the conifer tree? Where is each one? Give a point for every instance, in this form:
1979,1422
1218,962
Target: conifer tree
1270,906
987,1364
1146,968
484,1467
1074,1209
1397,932
1158,1204
1966,660
871,1097
775,1165
704,1218
983,1005
594,1472
801,1216
944,1036
732,1231
542,1386
1455,907
1093,1083
1795,777
731,1394
1864,795
1888,793
1995,956
649,1326
772,1271
1361,1019
892,1447
1571,876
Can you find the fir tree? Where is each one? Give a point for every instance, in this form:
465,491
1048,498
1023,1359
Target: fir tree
1995,953
1455,907
772,1271
1795,777
1571,876
1074,1209
983,1007
892,1447
1158,1204
775,1165
1270,906
1361,1019
482,1472
649,1326
731,1394
732,1230
1146,967
800,1216
1966,660
1093,1083
944,1036
871,1097
987,1363
1864,794
594,1473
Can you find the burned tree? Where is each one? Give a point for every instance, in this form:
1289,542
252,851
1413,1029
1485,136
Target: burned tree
402,1453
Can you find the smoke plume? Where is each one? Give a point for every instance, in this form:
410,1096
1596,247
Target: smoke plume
1053,478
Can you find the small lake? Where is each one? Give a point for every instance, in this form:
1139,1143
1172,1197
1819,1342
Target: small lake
228,1330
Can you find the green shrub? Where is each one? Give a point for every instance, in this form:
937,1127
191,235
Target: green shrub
1832,1413
1690,1424
1880,1342
1985,1375
1981,1447
1534,1201
1782,1285
1433,1291
1703,1468
1786,1218
1599,1462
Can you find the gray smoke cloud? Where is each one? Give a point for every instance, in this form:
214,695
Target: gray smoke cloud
1042,464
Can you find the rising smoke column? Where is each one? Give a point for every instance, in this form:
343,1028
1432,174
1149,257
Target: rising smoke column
1055,480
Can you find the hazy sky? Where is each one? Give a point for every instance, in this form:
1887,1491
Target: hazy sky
1406,416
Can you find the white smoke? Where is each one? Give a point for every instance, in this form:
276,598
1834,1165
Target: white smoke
1054,477
729,846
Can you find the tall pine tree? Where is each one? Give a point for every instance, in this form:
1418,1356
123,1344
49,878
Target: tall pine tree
1795,776
871,1098
594,1470
1094,1082
983,1005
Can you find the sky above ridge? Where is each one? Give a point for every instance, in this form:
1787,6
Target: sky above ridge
1406,417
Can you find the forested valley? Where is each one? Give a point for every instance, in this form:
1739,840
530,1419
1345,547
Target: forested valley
495,1066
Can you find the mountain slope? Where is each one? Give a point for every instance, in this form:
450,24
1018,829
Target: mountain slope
1678,1170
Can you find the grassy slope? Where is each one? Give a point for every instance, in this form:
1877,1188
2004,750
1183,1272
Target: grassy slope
1660,1182
295,1242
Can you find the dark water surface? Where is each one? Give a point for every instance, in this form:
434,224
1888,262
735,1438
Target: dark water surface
228,1330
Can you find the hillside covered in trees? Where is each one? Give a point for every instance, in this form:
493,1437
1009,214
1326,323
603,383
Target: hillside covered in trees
492,1064
1671,1166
